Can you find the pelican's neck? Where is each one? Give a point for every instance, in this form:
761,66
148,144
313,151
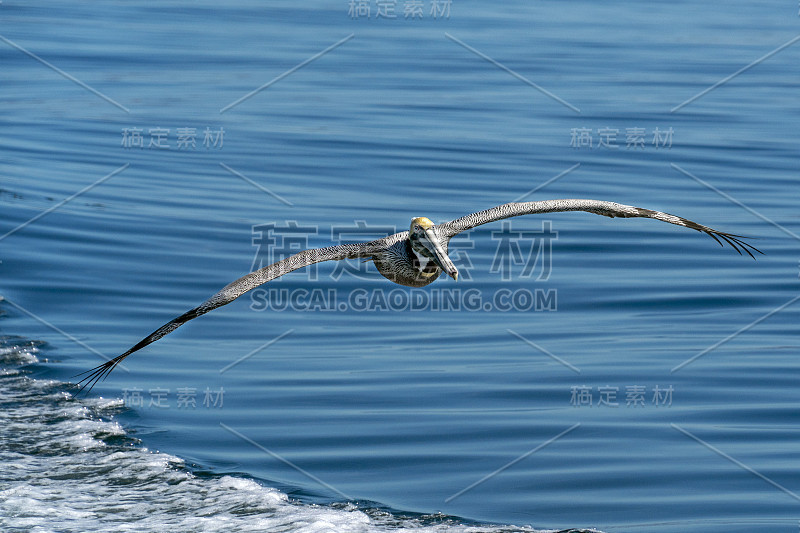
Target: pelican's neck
425,266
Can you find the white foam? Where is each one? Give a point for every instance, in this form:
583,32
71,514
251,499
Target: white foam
59,475
18,353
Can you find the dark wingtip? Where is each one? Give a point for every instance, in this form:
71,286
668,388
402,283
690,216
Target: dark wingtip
98,373
736,242
714,236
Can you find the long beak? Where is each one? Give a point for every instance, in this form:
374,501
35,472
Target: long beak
432,244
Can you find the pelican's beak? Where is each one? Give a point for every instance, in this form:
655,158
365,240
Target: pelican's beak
432,244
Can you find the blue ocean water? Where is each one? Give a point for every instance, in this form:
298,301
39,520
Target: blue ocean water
584,372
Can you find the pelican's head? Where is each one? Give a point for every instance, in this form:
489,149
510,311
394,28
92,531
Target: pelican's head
426,245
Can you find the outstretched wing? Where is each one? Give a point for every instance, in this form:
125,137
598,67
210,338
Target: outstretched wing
235,289
608,209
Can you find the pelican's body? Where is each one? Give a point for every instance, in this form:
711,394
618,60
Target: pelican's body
397,263
414,258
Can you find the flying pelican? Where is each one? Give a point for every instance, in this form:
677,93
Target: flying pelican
414,258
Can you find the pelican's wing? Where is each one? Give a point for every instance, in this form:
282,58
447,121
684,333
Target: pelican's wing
608,209
233,290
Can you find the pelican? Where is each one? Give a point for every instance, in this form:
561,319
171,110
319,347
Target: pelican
414,258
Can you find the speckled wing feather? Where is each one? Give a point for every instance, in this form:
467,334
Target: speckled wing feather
235,289
608,209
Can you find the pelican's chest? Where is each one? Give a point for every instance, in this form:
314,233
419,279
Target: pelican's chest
399,265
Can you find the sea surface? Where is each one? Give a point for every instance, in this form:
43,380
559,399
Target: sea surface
584,373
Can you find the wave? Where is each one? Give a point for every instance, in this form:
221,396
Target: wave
68,465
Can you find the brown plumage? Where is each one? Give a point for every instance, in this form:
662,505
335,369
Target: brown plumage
414,258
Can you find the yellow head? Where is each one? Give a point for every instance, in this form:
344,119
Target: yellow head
424,223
